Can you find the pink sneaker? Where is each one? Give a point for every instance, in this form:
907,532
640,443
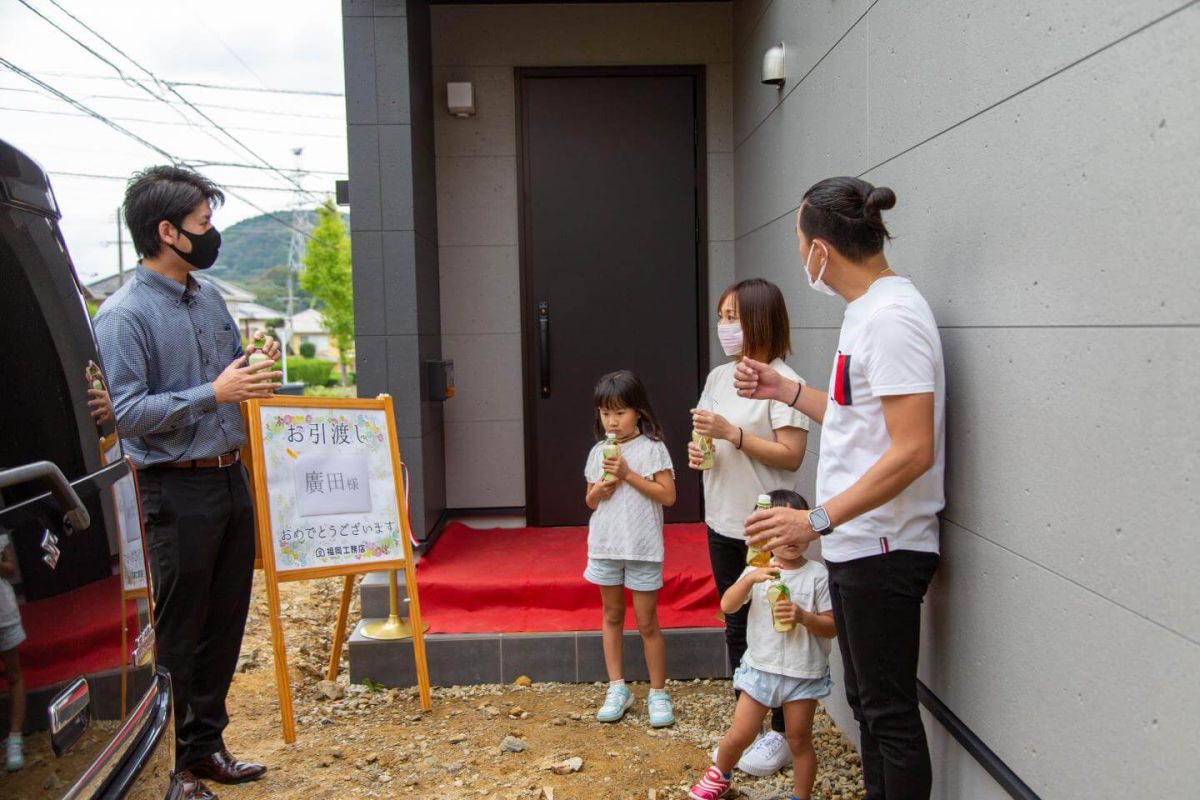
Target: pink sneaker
712,786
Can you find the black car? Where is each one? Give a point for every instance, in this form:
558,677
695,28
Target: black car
98,720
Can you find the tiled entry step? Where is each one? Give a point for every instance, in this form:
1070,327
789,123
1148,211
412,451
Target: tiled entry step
570,657
373,593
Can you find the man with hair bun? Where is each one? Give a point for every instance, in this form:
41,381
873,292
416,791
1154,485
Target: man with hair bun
176,374
880,477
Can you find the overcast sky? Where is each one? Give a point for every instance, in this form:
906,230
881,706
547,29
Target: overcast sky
245,43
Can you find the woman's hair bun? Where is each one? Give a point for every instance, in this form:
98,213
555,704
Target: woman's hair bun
879,198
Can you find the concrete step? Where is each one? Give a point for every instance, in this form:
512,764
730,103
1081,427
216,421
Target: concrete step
373,590
570,657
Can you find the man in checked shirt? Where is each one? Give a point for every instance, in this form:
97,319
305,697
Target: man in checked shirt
176,374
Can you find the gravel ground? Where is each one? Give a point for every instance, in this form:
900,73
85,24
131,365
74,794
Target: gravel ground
503,742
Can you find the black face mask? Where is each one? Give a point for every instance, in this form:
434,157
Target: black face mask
204,248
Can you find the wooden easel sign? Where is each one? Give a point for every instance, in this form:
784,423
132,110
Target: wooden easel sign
329,501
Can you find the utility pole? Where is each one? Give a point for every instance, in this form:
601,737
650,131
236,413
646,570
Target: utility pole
296,249
120,250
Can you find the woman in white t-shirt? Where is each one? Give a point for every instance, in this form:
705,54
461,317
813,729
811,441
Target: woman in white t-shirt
880,477
759,446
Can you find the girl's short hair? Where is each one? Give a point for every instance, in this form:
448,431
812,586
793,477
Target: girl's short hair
766,329
622,389
847,213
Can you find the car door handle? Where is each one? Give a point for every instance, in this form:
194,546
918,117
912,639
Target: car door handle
76,516
69,715
543,322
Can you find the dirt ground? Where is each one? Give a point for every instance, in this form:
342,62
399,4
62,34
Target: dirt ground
375,742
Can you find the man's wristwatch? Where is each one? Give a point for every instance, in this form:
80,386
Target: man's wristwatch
818,518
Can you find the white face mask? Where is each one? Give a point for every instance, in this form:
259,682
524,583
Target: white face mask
817,283
730,335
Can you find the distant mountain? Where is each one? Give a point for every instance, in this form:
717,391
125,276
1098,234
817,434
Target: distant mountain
254,254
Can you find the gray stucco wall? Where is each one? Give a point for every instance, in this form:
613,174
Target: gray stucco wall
1044,157
389,116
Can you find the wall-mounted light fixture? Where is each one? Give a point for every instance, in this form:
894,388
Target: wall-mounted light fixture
774,66
460,99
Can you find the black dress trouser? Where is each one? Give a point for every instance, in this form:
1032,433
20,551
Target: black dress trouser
200,532
728,559
877,609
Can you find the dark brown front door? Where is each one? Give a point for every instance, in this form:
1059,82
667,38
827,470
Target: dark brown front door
612,271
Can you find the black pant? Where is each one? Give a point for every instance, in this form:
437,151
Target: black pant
728,559
200,530
877,609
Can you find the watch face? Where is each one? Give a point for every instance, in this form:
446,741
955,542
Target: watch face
819,520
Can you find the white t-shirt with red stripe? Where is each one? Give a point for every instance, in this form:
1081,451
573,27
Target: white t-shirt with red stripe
889,345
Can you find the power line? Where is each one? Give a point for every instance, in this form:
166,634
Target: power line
225,87
159,82
125,179
235,165
166,122
94,114
126,78
88,112
120,129
217,35
222,86
67,34
172,106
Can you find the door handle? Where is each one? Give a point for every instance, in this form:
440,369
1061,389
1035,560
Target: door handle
76,516
543,321
69,715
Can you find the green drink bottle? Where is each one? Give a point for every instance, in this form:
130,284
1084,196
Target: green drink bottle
754,556
612,449
258,356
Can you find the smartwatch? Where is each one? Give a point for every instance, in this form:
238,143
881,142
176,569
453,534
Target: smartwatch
819,519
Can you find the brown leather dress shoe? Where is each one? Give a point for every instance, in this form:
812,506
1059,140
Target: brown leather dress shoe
222,767
192,788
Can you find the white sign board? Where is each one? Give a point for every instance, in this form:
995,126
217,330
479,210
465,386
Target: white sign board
331,487
332,484
133,560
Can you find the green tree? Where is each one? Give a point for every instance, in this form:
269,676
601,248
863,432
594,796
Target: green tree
326,277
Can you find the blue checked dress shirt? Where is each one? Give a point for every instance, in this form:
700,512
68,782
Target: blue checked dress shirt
162,346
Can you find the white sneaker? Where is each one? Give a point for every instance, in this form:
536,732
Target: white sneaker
766,756
14,755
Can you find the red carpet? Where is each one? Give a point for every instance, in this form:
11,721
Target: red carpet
91,643
531,580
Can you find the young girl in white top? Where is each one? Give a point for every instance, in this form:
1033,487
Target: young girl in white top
627,494
787,668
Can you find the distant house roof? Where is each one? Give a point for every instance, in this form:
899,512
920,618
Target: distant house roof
256,311
231,292
309,321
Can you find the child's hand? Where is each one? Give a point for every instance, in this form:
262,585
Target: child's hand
767,573
695,455
100,406
617,468
788,613
600,491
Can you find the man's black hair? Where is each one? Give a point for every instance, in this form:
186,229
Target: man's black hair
164,192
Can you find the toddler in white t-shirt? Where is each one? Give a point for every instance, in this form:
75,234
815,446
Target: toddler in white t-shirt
627,492
788,669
